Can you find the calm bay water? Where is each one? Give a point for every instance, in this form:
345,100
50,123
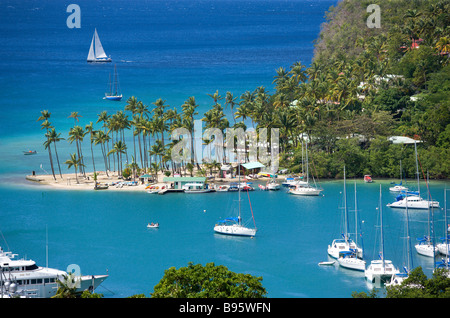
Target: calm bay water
169,50
105,232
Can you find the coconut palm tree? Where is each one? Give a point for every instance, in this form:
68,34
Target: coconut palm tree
75,116
77,134
102,138
189,110
90,130
119,149
231,100
45,115
54,137
74,162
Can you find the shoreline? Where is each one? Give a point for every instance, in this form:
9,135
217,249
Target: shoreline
69,181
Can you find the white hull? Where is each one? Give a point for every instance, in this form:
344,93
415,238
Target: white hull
443,248
273,187
376,272
198,191
338,246
305,191
32,281
352,263
414,202
426,250
235,229
398,189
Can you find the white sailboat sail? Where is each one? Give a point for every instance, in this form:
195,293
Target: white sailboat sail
96,51
99,51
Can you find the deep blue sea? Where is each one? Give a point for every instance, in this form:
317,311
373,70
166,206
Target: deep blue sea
171,50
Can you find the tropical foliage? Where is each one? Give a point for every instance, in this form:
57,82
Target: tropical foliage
363,86
209,281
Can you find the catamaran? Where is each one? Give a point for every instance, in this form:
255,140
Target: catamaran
96,51
234,225
380,270
116,96
414,201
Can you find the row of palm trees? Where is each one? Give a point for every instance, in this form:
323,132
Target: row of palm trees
327,91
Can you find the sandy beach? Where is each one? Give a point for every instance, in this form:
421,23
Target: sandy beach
69,181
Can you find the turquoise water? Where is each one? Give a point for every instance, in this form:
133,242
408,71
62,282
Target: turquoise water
105,232
169,50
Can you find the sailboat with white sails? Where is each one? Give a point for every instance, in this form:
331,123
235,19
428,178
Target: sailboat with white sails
96,51
234,225
345,244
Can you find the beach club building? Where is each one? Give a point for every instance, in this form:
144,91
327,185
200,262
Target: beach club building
178,182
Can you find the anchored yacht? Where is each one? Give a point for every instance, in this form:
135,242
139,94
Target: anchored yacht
23,277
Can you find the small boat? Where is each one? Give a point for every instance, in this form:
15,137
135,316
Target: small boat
196,188
221,188
327,263
153,225
96,51
263,188
99,186
272,185
30,152
367,178
116,96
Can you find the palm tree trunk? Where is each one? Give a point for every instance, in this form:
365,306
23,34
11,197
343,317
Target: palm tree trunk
57,159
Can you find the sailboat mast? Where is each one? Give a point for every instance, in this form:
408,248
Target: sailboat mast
356,218
345,210
239,187
307,164
408,238
115,80
417,168
382,238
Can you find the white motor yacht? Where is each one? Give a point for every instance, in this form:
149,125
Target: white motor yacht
24,277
